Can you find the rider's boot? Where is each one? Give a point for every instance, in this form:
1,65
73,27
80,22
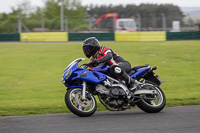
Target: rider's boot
132,85
120,73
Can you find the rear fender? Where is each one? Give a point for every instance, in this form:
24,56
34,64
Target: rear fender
150,76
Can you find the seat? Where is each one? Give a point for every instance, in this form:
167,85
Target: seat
138,67
131,72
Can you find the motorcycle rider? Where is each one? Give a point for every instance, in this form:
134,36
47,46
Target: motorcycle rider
103,54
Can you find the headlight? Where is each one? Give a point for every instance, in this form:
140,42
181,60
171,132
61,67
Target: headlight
63,81
68,74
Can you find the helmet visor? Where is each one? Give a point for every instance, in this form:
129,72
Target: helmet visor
87,51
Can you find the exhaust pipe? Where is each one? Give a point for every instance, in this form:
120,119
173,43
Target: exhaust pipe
139,92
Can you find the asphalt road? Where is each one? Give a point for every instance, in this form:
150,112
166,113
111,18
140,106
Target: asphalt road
184,119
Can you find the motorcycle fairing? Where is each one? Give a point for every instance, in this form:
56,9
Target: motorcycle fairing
90,76
103,69
83,74
75,86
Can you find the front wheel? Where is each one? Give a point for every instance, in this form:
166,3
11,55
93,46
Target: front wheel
152,103
77,105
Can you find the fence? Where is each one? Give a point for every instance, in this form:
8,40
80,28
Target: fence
140,36
117,36
87,24
99,36
44,36
9,37
183,35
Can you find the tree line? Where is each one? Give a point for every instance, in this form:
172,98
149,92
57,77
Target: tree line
76,15
150,15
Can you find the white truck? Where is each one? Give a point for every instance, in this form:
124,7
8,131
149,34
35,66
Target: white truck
120,25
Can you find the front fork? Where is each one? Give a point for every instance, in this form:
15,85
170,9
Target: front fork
84,90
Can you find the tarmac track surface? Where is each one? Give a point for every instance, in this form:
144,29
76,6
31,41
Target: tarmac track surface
185,119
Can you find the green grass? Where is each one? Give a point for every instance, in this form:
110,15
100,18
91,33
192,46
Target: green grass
30,73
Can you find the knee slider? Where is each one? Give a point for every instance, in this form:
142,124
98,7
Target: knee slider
115,69
112,69
118,70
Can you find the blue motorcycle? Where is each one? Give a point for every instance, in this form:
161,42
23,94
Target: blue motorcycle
83,84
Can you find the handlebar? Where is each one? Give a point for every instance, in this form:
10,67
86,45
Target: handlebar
88,65
85,65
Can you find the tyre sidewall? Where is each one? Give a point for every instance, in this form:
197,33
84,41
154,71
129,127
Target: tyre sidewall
75,110
149,109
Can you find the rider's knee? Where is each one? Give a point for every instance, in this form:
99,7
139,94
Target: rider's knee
115,69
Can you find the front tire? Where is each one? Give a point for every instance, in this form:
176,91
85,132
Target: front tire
152,106
81,107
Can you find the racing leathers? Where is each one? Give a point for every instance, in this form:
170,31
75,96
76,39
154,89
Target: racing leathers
118,66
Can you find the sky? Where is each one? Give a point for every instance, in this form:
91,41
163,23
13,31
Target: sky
5,5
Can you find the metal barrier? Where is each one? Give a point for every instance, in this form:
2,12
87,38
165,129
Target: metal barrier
195,35
99,36
44,37
9,37
117,36
140,36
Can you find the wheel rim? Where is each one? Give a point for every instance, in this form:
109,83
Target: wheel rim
153,100
83,105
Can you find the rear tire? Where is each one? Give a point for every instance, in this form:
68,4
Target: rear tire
78,106
150,106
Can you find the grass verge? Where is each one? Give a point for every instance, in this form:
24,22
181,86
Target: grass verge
30,73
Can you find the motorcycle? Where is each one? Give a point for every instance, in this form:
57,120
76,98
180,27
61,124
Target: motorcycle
83,84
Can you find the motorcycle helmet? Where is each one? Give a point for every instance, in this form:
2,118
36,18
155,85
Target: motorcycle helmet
90,46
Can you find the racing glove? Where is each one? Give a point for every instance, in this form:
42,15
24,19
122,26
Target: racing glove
94,62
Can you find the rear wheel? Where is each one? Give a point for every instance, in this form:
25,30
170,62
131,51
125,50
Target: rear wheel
152,103
77,105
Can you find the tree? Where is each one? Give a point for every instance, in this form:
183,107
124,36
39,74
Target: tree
73,11
32,16
150,13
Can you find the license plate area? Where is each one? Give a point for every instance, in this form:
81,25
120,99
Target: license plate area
159,80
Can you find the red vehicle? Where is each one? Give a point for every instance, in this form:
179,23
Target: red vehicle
122,24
